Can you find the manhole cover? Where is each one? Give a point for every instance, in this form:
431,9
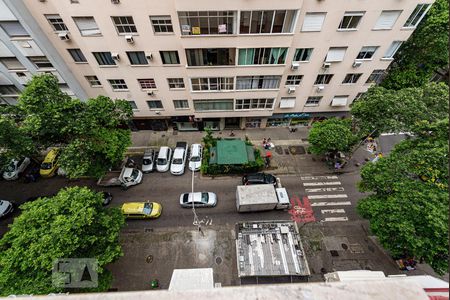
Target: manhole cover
334,253
279,150
149,259
218,260
296,150
344,246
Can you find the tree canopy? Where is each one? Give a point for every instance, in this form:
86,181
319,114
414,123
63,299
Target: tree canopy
72,224
425,52
87,131
408,209
386,110
332,135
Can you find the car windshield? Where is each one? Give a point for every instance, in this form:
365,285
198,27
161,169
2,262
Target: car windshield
11,167
46,166
195,158
147,208
204,198
135,173
161,161
177,161
146,161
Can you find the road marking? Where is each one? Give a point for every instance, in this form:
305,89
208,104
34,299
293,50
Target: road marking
331,203
337,189
334,219
333,211
321,183
318,177
312,197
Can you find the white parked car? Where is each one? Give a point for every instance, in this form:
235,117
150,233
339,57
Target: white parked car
195,158
148,161
179,158
6,208
200,199
163,160
15,167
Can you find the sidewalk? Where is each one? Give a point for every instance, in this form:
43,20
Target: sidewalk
289,156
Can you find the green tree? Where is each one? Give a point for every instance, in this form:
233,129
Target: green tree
386,110
408,208
13,142
425,52
331,136
72,224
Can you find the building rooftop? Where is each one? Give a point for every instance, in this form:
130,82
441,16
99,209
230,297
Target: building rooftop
270,248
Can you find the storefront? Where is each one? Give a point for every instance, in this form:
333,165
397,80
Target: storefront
185,123
213,123
150,124
253,123
285,120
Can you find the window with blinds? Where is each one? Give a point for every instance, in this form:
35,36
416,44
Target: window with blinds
336,54
387,19
87,26
259,82
13,29
313,21
262,56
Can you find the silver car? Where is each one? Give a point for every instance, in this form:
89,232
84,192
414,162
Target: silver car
148,161
199,199
15,168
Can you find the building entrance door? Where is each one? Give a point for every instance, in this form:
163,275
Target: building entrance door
231,123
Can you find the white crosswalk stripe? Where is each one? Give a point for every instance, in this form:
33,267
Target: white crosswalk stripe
335,219
342,203
333,211
318,177
335,196
319,190
321,183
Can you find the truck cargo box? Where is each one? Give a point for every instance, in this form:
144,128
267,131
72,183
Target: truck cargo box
255,197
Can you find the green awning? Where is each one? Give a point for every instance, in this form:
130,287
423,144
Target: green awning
231,152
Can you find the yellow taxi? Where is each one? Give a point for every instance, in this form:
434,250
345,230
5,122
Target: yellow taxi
141,210
50,163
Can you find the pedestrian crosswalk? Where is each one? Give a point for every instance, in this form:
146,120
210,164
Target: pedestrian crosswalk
327,195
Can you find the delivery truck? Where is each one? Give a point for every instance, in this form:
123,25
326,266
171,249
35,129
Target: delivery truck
261,197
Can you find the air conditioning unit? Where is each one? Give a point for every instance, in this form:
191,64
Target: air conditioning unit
150,93
115,56
149,55
64,36
115,1
157,112
295,66
357,64
291,89
326,65
129,39
320,88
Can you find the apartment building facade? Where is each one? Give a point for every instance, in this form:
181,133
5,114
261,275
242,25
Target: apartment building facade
198,63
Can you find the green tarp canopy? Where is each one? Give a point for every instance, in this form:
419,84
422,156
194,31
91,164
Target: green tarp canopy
231,152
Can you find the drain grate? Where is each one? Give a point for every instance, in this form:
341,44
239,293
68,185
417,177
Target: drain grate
279,150
334,253
218,260
296,150
344,246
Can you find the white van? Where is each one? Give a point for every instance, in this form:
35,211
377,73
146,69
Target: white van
195,158
163,160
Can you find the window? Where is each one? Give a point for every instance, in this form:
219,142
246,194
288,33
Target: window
313,21
13,29
417,15
133,104
148,83
169,57
287,102
213,105
137,57
265,103
313,101
387,19
161,24
93,81
336,54
212,84
294,79
262,56
351,78
258,82
12,63
87,26
77,55
175,83
367,52
323,79
376,76
181,104
302,54
207,22
104,58
9,90
41,62
118,84
339,101
267,21
124,25
392,49
155,104
210,57
351,20
57,23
